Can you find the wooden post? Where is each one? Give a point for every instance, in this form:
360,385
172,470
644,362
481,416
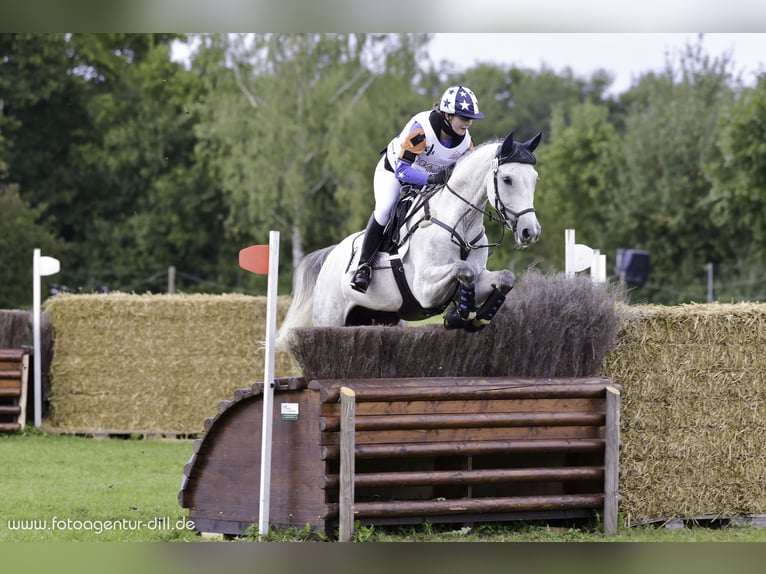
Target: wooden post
171,279
347,460
611,460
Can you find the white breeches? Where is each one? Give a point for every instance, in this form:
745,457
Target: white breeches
387,189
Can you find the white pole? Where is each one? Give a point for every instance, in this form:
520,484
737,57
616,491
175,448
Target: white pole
598,267
268,383
36,336
577,257
40,266
569,246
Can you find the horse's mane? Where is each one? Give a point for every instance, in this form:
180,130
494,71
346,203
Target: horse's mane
471,155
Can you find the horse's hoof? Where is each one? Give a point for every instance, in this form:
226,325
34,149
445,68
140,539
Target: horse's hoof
453,320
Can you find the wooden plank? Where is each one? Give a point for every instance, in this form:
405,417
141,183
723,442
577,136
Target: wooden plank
469,448
472,517
370,388
10,378
611,460
12,354
462,392
595,404
467,419
458,435
24,390
347,469
360,384
465,477
483,505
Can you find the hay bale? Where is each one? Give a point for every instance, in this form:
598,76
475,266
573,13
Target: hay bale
549,326
153,363
693,412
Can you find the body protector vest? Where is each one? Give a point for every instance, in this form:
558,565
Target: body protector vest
435,155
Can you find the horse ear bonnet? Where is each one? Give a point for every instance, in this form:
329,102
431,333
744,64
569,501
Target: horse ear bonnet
512,151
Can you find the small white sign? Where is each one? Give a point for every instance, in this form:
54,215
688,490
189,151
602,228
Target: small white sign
49,266
289,411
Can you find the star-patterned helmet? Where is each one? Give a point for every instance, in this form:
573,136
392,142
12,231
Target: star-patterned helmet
460,101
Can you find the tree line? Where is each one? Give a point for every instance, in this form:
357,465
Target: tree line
123,162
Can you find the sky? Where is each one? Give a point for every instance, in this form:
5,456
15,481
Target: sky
626,55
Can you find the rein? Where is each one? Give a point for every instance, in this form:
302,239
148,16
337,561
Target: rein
506,216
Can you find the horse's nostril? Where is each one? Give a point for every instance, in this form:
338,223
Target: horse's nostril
525,235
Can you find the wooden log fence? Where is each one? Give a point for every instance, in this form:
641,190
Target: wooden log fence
14,375
602,413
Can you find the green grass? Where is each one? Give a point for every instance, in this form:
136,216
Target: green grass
86,489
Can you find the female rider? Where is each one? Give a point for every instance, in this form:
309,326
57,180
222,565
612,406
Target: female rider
430,143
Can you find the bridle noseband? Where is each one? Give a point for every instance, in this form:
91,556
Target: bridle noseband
499,206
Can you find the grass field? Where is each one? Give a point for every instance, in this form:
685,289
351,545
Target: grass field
67,488
59,488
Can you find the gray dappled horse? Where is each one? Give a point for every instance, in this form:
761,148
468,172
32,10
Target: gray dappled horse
438,253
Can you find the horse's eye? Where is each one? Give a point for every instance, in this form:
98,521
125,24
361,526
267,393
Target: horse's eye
508,180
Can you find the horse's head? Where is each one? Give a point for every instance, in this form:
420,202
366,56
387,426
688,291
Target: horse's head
511,188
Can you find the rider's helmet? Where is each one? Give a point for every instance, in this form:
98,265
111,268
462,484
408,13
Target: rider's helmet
460,101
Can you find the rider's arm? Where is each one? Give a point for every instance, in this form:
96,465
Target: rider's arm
412,146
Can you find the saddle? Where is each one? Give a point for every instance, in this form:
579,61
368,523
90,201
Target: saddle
410,199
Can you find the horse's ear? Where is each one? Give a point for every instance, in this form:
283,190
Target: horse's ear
532,144
507,147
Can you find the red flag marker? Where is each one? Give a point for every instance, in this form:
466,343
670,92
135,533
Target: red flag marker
255,259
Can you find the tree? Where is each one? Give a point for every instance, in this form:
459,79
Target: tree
79,122
164,209
738,194
526,102
663,195
577,173
295,146
522,100
20,235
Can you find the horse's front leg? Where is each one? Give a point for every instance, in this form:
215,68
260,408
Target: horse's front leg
435,282
491,289
487,281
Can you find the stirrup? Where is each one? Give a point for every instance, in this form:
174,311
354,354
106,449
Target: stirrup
361,280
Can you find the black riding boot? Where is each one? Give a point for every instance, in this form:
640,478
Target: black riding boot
373,236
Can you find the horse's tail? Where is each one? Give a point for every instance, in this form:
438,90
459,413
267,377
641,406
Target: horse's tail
301,308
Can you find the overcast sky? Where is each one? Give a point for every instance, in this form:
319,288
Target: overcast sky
626,55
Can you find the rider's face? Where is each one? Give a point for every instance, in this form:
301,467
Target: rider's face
460,124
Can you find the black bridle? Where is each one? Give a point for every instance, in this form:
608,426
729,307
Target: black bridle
499,206
507,217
